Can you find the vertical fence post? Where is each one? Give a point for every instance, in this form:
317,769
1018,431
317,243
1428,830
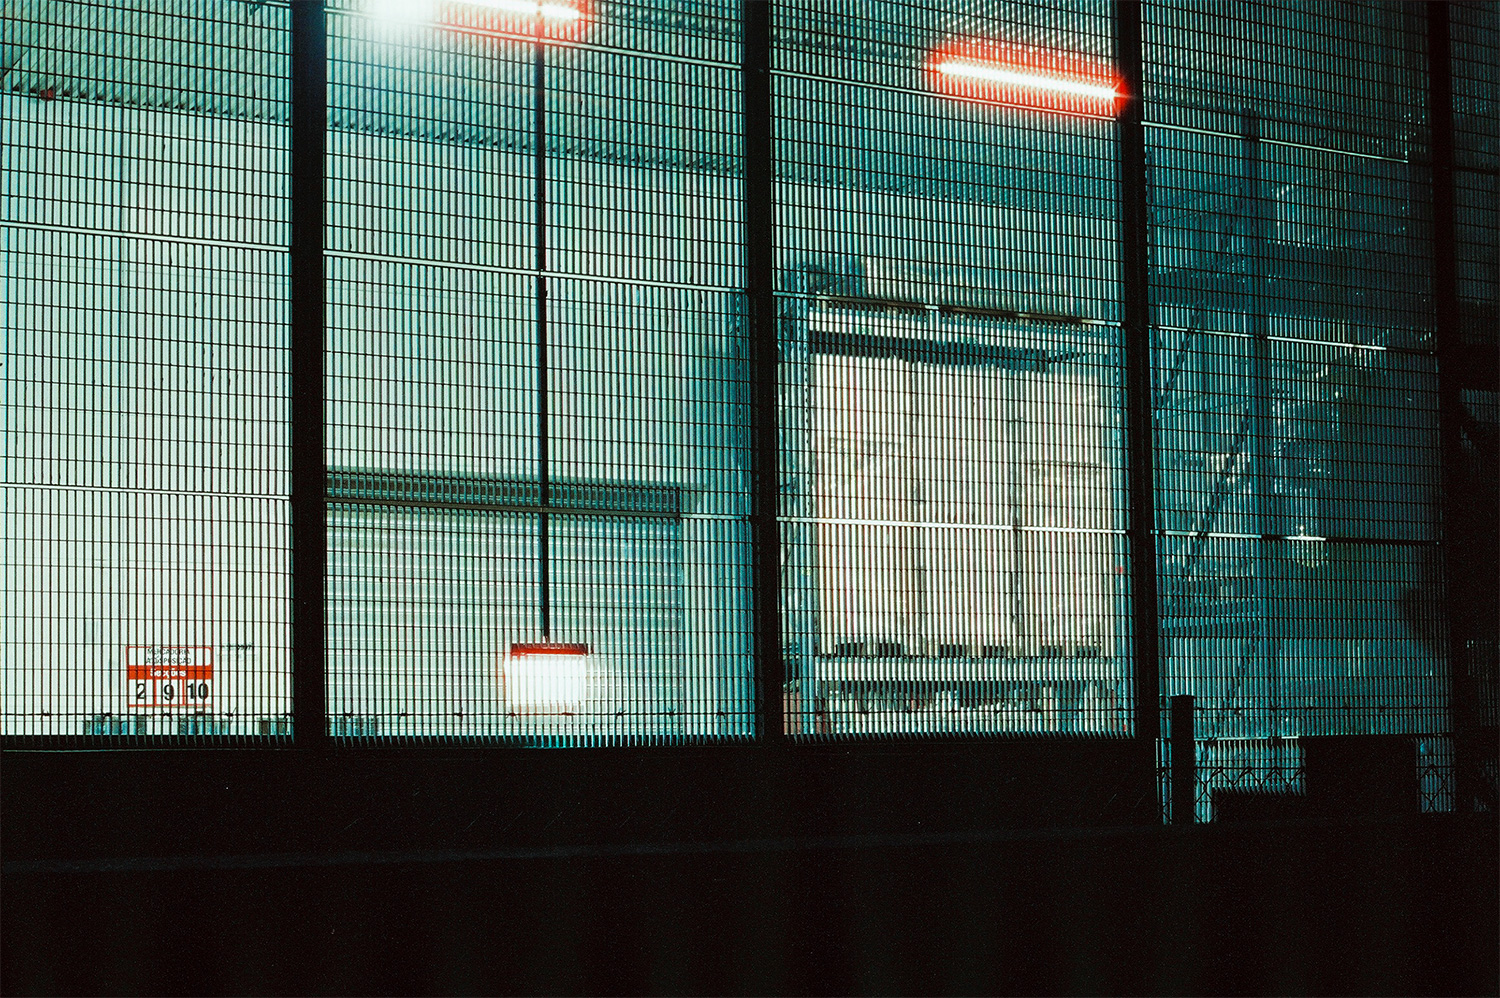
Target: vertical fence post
543,400
759,285
1450,402
309,514
1135,319
1262,428
1184,761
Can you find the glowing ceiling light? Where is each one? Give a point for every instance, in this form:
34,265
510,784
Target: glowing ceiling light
400,10
971,70
414,11
996,71
531,8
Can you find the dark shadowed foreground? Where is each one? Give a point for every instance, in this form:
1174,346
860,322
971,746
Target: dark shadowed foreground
1403,906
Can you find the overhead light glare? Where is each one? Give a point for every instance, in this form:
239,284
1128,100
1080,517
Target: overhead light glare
993,71
560,17
401,11
531,8
996,74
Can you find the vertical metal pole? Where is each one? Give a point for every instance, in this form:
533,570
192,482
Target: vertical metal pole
1450,401
1262,424
1136,332
761,302
309,512
544,480
1184,761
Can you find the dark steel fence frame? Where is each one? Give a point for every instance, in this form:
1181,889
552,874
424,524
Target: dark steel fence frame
1446,322
306,427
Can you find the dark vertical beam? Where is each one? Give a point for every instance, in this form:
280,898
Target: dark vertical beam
761,311
1136,329
1184,761
1254,208
544,479
1446,321
309,512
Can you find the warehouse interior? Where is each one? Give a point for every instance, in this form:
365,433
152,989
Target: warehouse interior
453,437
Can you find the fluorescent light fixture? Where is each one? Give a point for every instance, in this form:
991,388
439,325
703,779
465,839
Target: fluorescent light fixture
402,11
531,8
971,70
412,11
545,678
993,70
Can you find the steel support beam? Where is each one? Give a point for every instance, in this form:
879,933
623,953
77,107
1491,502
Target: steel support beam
1135,317
760,310
309,511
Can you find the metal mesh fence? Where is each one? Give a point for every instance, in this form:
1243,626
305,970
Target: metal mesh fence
1295,402
1475,38
145,471
951,449
537,375
541,446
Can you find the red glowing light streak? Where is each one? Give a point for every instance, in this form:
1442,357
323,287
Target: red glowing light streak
551,18
990,71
